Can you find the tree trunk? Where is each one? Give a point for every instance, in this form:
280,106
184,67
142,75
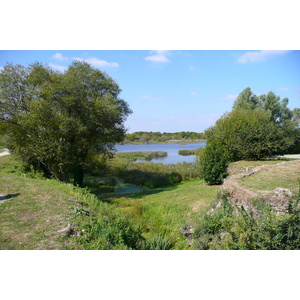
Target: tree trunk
78,176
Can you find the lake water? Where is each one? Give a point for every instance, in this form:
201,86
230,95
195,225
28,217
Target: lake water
172,149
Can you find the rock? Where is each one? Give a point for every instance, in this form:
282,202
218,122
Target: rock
67,230
283,192
187,232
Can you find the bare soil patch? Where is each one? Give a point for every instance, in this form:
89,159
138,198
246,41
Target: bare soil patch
270,182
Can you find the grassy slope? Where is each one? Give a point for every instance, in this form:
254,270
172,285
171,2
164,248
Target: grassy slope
165,210
36,210
39,208
284,175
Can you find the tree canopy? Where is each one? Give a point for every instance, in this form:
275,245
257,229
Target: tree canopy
56,121
256,128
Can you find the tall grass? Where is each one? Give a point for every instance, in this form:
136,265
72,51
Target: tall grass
187,152
139,155
153,175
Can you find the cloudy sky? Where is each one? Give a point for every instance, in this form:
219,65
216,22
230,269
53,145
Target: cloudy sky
181,90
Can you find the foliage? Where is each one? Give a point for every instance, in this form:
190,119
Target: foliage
246,230
277,109
109,231
140,155
187,152
148,174
158,137
57,121
153,175
214,163
248,134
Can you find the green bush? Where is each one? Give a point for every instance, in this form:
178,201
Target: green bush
213,164
249,135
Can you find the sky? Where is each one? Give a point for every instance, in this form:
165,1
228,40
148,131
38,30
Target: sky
180,90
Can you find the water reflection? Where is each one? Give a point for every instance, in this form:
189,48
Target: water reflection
172,150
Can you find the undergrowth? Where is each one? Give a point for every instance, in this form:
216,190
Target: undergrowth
247,230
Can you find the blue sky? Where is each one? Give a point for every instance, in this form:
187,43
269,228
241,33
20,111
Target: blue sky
181,90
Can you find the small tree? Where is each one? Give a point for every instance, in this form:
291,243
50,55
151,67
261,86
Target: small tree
214,163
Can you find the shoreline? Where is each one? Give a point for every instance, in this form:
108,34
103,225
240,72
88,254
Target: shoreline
182,142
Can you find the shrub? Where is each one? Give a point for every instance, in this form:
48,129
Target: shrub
213,164
249,134
265,230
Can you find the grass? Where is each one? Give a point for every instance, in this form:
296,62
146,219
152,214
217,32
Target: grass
153,175
35,212
39,208
163,211
240,166
140,155
187,152
285,175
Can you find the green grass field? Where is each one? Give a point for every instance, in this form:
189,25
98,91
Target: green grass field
165,210
285,175
37,208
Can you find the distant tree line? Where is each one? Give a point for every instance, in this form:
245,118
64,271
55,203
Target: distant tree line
150,137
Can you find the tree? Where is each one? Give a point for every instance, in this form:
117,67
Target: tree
56,121
277,109
246,100
248,134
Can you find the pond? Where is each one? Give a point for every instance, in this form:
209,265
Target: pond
172,150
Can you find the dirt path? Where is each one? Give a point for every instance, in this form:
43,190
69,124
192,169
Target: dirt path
240,194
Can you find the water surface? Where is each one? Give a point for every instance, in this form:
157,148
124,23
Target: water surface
172,150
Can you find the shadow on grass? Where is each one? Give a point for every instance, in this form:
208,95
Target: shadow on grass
111,197
9,196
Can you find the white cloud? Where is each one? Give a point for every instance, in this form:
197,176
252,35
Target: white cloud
194,94
96,62
58,67
60,57
160,56
1,68
254,56
283,89
230,97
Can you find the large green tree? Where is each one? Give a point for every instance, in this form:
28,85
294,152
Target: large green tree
248,134
56,121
